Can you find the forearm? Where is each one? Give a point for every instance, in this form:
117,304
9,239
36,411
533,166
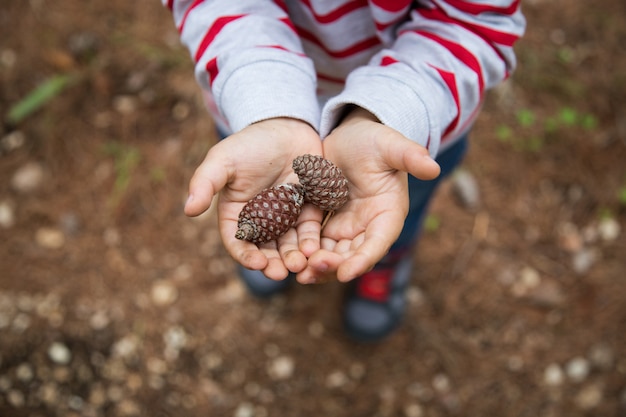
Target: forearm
430,83
248,55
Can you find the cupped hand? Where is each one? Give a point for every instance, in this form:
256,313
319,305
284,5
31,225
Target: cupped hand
375,159
240,166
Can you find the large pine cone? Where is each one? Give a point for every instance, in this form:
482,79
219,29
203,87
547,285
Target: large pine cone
271,213
324,183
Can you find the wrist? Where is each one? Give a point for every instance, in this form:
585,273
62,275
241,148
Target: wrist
354,112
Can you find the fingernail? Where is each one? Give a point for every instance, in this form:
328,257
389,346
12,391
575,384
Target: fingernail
189,200
430,160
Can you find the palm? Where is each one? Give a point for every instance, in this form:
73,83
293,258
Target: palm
375,159
240,166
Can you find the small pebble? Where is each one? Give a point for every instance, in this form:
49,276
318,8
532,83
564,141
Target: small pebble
70,223
12,141
181,111
589,397
21,322
24,372
50,238
28,177
163,293
547,294
281,368
441,383
99,320
16,398
570,238
465,188
601,356
583,260
553,375
49,393
175,337
244,410
528,279
609,229
413,410
7,215
8,58
336,379
59,353
125,104
125,347
577,369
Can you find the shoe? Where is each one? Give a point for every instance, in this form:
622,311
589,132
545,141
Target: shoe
260,285
375,302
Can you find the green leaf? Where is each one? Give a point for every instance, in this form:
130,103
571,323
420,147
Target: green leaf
38,97
432,223
504,133
589,122
621,195
526,117
534,144
568,116
551,125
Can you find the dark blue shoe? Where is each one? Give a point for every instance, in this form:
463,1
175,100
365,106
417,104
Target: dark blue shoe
260,285
375,302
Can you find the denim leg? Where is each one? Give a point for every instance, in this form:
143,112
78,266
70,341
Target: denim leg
421,192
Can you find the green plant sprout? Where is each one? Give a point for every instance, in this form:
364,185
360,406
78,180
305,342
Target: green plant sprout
432,223
531,132
39,96
125,160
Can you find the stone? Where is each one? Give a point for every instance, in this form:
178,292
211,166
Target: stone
281,368
163,293
589,397
28,177
59,353
553,375
609,229
577,369
50,238
7,215
465,188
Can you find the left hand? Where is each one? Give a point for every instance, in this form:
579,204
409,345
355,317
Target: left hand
375,159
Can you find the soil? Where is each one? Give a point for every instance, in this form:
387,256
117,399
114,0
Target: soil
113,303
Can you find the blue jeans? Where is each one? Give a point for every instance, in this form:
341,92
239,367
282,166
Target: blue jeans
421,193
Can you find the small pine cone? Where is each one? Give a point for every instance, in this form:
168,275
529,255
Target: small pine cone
271,213
324,184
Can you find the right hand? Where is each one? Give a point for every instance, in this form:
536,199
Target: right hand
238,167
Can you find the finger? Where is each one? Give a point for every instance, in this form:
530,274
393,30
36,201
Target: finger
209,178
275,269
309,230
293,259
408,156
321,267
378,239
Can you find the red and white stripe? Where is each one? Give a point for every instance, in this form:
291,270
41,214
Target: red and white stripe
449,52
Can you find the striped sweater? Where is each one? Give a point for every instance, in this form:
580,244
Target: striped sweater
422,67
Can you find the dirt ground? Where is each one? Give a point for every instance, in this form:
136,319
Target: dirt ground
113,303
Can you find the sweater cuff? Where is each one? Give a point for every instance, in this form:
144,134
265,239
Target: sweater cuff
395,103
265,90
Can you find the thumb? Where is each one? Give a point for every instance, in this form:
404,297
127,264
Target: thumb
405,155
210,177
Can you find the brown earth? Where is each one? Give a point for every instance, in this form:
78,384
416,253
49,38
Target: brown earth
113,303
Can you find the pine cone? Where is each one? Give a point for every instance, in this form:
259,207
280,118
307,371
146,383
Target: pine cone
271,213
324,184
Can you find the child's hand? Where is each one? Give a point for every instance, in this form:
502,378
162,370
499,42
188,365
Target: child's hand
240,166
375,159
